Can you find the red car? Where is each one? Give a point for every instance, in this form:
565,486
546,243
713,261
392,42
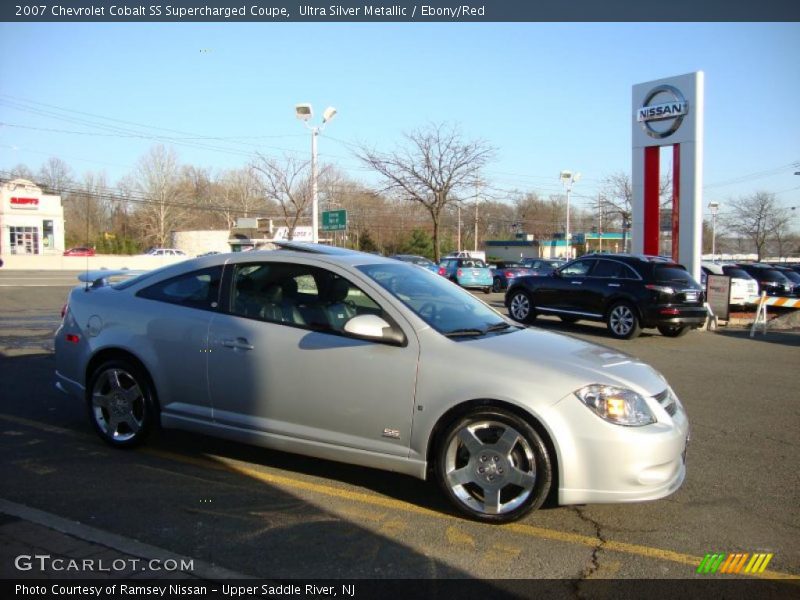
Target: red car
79,252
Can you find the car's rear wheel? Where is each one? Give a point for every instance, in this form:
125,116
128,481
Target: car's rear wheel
623,322
487,290
121,403
493,466
520,307
497,285
673,330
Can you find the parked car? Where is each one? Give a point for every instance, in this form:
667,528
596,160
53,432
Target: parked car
794,266
259,347
467,272
744,289
792,276
770,279
79,251
504,273
420,261
628,292
165,252
542,266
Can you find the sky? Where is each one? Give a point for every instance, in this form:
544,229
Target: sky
549,97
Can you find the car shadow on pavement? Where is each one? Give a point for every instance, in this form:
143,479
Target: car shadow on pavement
593,329
198,496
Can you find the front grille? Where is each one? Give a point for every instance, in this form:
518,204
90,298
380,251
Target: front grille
667,401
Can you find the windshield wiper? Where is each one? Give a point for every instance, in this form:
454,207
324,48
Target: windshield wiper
465,332
473,331
498,326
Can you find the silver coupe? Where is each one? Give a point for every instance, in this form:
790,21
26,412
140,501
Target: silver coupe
352,357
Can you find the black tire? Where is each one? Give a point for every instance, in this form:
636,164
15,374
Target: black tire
121,403
673,330
493,466
497,285
569,319
623,322
487,290
520,307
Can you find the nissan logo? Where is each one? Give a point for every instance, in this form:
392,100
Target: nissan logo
662,111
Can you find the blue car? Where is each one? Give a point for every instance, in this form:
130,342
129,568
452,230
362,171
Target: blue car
467,272
420,261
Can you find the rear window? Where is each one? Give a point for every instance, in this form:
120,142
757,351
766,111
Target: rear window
673,274
771,275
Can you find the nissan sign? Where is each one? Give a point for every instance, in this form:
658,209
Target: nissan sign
663,111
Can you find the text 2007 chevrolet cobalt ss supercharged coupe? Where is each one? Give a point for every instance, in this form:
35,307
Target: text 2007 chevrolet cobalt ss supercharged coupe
361,359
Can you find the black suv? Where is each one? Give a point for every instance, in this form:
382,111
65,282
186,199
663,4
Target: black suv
626,291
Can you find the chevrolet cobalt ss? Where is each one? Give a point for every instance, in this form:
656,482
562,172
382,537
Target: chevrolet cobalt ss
352,357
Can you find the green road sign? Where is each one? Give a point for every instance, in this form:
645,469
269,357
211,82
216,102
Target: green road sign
334,220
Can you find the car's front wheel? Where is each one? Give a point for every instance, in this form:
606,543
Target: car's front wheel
673,330
623,322
520,307
497,285
493,466
121,403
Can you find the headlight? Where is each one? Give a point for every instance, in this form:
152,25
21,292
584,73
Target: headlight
616,405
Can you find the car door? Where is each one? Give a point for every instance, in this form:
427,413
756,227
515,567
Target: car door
176,334
298,374
562,290
607,280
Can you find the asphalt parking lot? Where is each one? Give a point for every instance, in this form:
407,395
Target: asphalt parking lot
276,515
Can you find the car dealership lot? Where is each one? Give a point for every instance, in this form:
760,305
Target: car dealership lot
278,515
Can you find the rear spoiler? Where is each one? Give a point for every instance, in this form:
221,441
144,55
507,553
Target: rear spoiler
100,278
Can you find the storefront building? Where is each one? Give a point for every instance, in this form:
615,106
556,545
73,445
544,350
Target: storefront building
31,222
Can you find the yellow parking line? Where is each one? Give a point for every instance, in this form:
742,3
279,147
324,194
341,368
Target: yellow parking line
390,503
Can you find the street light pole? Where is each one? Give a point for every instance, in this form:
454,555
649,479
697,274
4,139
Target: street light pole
713,207
304,112
568,178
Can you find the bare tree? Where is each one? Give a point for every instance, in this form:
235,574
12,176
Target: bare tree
287,183
434,167
156,178
239,194
21,172
87,210
757,218
55,176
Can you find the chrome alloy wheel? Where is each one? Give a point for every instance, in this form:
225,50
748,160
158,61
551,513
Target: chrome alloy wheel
621,320
490,467
520,307
118,405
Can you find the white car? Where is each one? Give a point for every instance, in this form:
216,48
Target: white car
165,252
353,357
744,289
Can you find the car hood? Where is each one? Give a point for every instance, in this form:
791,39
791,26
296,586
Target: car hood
560,362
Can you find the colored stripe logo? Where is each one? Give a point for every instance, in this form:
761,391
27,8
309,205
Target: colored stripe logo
733,564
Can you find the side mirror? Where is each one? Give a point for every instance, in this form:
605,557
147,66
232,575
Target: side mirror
373,327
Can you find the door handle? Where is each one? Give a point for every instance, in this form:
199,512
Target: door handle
237,344
613,285
576,282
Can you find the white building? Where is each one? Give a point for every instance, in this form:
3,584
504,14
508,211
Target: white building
31,222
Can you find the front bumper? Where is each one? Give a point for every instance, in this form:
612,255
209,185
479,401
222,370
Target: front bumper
600,462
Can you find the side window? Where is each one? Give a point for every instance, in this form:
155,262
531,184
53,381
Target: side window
578,269
199,289
297,295
628,273
607,269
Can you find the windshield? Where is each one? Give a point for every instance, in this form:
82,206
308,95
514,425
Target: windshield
444,306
